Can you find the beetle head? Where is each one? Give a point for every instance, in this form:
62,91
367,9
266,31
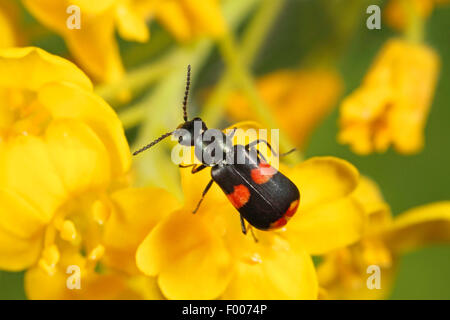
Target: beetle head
189,130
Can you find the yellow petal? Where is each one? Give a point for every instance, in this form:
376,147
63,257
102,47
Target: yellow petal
21,230
78,154
365,104
193,186
326,227
420,226
30,68
39,285
368,195
51,13
94,7
94,46
42,286
130,24
377,211
281,273
392,104
8,21
147,287
206,17
64,100
18,217
27,170
323,179
18,253
342,276
191,260
135,212
173,18
358,136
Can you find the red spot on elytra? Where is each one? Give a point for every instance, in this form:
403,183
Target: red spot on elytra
292,209
278,224
239,197
287,215
263,173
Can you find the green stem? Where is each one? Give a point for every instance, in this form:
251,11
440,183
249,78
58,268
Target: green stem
244,80
159,110
132,115
234,11
345,17
252,39
256,32
415,29
136,80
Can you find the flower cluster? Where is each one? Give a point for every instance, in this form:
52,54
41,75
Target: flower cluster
63,171
343,273
392,105
94,44
206,255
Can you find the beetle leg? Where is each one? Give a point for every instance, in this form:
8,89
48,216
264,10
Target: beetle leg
231,134
187,166
287,153
208,186
256,142
198,168
253,233
244,229
260,154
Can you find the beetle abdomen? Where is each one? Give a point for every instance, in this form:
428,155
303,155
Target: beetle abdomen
264,196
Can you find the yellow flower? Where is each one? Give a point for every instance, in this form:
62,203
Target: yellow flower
206,256
343,274
396,11
64,161
94,44
130,213
62,283
392,104
187,19
57,140
9,14
298,100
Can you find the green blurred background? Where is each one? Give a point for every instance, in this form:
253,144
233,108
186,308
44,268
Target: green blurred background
406,181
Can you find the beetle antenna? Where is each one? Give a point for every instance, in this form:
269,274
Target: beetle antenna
186,93
151,144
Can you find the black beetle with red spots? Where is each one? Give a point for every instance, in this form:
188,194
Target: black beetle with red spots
264,197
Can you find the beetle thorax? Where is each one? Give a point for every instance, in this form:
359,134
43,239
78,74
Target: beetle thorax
210,145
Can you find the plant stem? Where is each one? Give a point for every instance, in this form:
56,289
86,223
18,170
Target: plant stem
135,80
234,11
160,110
415,29
243,79
252,39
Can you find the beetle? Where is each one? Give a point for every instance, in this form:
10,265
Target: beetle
264,197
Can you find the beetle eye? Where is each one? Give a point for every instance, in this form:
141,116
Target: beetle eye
184,137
